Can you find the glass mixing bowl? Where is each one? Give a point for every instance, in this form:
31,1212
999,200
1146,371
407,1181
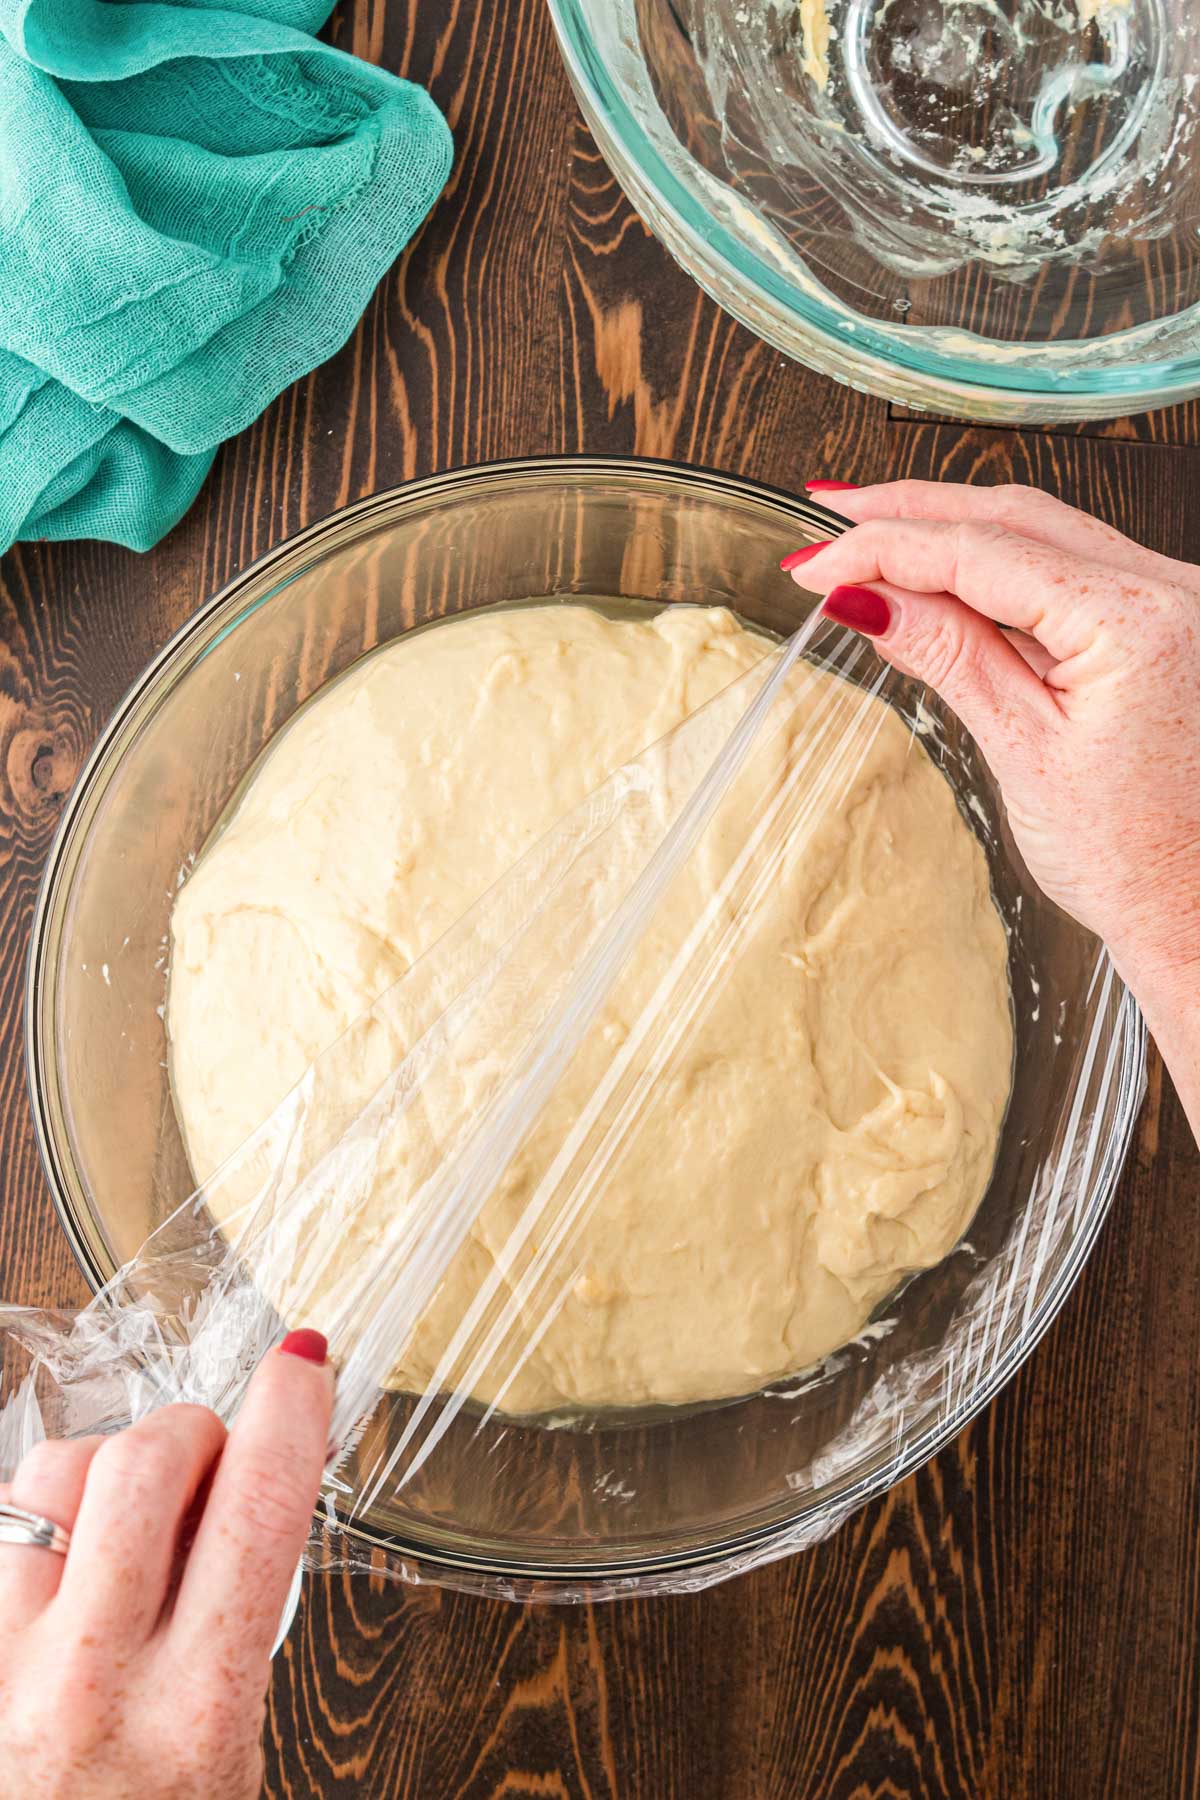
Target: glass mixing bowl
674,1497
989,209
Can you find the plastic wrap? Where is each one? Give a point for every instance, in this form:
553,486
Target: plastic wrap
430,1097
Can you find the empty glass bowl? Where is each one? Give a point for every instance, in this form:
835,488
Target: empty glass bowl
670,1497
989,208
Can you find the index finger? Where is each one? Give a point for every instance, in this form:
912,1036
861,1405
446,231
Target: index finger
259,1511
1063,601
1032,512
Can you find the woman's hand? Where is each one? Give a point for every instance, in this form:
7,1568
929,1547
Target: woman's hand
1072,655
137,1664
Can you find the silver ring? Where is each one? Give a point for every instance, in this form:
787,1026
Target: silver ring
31,1530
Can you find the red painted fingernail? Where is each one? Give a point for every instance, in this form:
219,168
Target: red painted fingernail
830,487
861,608
308,1344
797,557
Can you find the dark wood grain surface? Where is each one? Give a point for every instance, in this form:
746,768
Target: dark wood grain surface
1018,1620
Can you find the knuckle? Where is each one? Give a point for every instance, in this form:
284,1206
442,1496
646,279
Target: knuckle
977,550
1017,500
866,533
83,1668
910,488
227,1736
1161,615
975,539
203,1765
264,1491
156,1453
216,1712
873,532
75,1730
915,499
942,653
1171,612
875,543
42,1463
184,1419
138,1460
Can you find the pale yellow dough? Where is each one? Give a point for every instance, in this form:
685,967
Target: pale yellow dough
830,1125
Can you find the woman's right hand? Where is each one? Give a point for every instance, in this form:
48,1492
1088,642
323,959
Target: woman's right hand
1072,655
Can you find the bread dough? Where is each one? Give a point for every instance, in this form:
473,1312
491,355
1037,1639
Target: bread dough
829,1125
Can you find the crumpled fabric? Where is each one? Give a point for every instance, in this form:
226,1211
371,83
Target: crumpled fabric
196,203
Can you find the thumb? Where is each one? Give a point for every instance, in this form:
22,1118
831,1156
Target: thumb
964,658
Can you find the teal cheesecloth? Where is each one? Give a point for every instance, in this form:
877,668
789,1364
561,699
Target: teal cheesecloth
196,202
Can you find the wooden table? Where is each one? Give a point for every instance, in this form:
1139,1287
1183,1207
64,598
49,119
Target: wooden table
1020,1618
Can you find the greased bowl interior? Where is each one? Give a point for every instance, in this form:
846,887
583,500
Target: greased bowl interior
989,211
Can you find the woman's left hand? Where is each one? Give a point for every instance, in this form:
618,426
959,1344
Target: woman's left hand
137,1663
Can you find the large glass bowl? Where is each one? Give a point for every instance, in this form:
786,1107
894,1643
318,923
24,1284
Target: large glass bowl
989,209
590,1506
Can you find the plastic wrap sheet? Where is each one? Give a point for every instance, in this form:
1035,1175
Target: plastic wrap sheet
429,1098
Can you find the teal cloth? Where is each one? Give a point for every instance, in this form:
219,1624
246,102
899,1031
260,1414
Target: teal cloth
196,202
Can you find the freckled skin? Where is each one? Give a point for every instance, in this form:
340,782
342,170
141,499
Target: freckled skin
1098,752
112,1689
1072,654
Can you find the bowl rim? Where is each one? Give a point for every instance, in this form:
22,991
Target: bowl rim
734,1550
853,337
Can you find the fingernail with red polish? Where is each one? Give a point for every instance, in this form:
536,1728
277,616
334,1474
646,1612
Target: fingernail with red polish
797,557
830,487
861,608
308,1344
